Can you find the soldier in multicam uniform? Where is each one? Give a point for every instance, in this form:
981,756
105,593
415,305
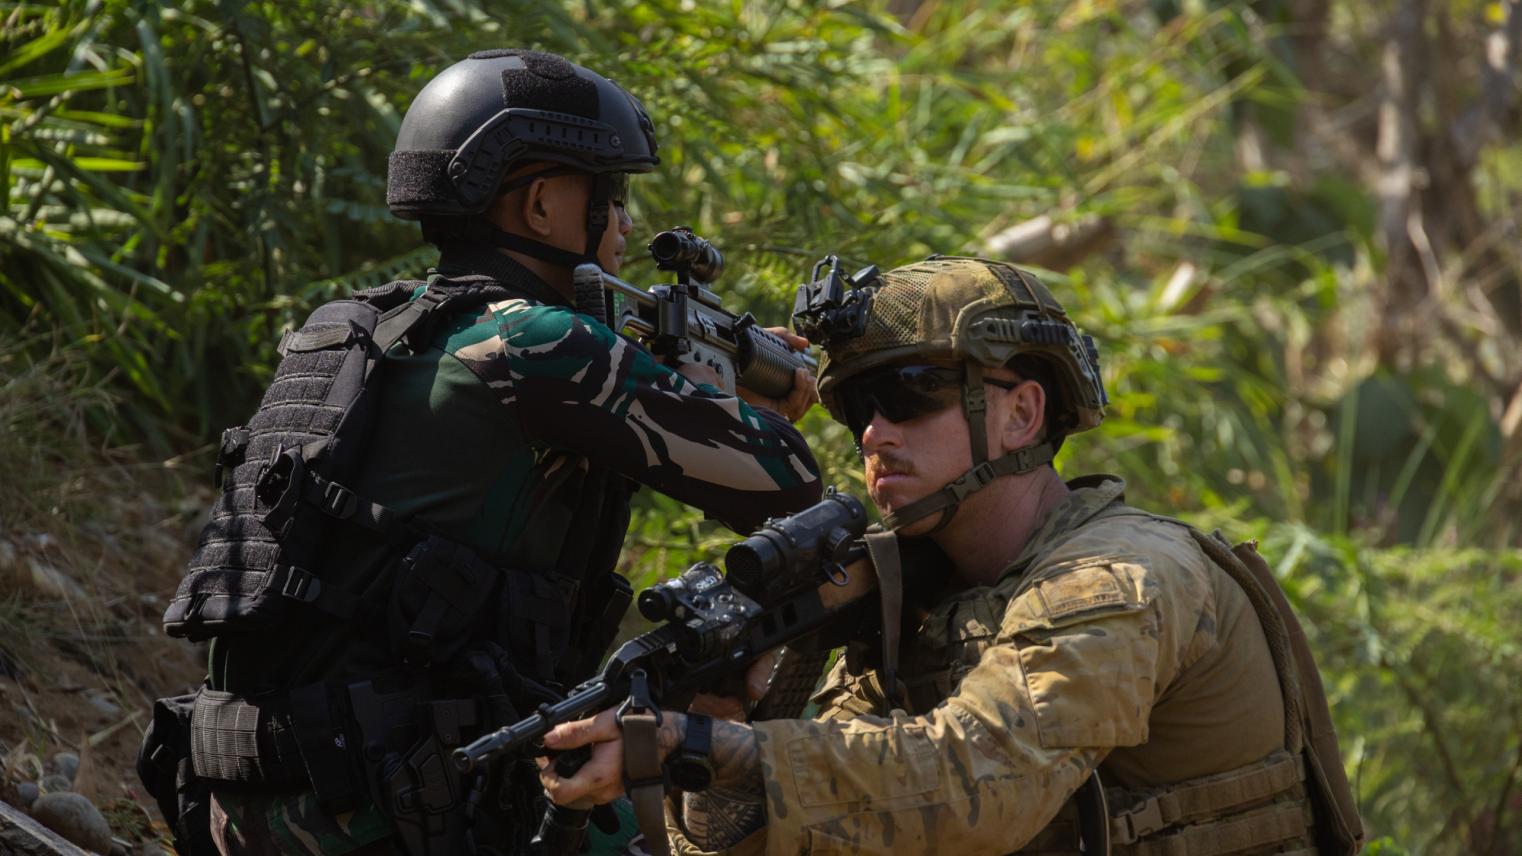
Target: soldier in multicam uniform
518,429
1064,633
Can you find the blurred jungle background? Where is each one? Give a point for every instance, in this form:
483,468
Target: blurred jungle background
1291,224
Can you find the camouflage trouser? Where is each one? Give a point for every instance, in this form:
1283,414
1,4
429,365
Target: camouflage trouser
281,824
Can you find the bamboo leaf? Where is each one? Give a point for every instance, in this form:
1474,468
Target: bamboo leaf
55,84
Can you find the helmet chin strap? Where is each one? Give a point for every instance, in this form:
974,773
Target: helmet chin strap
597,214
948,499
478,230
884,548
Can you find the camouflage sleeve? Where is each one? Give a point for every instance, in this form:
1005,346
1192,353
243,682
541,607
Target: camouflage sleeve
576,385
1071,675
844,695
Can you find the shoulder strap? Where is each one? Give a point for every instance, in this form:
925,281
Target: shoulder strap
883,549
1308,718
413,321
1275,629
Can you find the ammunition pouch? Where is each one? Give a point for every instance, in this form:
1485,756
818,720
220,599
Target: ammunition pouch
233,739
164,765
441,588
386,740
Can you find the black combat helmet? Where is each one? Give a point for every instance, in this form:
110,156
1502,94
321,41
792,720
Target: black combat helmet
482,116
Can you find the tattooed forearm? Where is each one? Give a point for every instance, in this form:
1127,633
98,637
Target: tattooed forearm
737,759
733,807
720,818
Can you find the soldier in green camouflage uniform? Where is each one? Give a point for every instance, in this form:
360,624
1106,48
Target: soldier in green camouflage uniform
1063,633
520,428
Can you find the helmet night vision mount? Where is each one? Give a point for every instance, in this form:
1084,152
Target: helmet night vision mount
833,306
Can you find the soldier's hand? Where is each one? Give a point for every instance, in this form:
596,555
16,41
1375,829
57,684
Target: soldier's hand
758,679
804,393
600,780
700,373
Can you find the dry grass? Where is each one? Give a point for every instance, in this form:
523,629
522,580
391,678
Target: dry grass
89,549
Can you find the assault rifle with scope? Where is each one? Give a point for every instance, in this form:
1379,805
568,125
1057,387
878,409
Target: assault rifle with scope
783,585
686,322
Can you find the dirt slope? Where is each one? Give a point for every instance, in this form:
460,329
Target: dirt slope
89,552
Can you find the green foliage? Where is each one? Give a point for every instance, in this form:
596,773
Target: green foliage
1420,658
183,180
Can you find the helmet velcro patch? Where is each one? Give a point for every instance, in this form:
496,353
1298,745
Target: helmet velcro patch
547,82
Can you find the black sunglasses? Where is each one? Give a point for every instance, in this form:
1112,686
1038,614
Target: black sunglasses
901,393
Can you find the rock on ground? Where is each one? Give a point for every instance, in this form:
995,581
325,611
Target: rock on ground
75,818
22,836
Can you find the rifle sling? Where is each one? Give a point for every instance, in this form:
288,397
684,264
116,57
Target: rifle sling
882,547
646,778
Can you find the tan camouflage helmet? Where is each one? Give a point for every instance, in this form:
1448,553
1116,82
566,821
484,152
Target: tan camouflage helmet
969,309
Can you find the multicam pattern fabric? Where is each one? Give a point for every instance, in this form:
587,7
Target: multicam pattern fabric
967,309
1111,640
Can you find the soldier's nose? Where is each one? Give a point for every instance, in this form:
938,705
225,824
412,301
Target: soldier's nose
878,433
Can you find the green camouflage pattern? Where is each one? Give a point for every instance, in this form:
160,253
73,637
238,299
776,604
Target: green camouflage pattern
521,431
965,309
247,824
571,383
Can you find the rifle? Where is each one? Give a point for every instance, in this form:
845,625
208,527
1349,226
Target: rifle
686,322
784,584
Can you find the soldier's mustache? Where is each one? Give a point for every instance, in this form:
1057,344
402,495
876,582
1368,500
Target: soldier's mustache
888,465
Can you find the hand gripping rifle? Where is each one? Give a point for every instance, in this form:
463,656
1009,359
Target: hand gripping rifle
686,322
783,585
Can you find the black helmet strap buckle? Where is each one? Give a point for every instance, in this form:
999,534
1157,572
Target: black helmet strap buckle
597,213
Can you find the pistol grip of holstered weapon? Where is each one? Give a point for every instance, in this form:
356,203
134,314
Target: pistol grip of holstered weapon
562,829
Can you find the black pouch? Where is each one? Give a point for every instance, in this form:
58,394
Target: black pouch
163,765
247,741
440,590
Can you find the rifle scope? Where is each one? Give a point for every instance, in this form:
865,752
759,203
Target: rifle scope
681,250
789,552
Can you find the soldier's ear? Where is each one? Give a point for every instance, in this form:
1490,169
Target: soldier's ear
536,205
1023,411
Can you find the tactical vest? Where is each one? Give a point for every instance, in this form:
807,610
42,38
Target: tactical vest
1295,801
255,564
258,568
